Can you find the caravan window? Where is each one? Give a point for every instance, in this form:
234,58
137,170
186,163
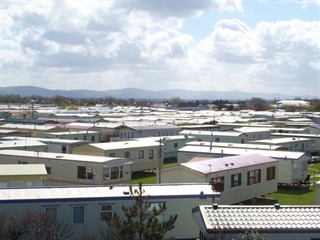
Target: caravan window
218,184
52,212
150,153
271,173
112,173
78,215
127,154
85,172
254,176
141,154
236,180
106,212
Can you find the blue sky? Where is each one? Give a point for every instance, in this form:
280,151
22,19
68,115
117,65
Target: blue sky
262,46
253,13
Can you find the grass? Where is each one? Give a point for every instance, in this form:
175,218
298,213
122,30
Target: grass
150,177
314,172
299,196
144,178
295,197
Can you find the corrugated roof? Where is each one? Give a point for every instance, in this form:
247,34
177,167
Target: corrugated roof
260,218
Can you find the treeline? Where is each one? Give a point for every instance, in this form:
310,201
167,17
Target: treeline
257,104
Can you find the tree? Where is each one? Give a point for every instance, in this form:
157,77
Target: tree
141,221
31,225
258,104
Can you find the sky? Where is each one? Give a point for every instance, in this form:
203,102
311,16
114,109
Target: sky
261,46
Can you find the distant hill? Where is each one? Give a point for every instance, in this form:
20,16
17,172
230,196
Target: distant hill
138,93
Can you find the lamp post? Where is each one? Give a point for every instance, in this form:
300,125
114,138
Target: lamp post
160,159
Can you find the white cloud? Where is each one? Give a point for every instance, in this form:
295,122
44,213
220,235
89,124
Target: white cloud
116,44
232,41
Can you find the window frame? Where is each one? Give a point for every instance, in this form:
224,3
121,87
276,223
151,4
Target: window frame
108,175
151,154
217,183
106,212
235,183
78,222
127,154
53,216
271,173
87,173
253,177
141,154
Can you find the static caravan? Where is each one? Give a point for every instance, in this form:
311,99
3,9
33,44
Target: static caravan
313,129
140,131
255,133
51,145
292,144
90,136
21,175
72,169
292,168
171,144
31,130
217,136
22,144
236,145
238,178
143,154
315,139
85,207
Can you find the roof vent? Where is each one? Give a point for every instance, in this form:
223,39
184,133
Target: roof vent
232,164
125,192
215,206
277,206
226,165
59,156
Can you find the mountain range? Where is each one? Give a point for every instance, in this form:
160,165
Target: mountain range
138,93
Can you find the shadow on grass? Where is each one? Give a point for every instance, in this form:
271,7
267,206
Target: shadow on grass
300,191
142,174
143,177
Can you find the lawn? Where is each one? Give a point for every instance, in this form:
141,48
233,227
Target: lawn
299,196
150,177
314,172
144,177
295,197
